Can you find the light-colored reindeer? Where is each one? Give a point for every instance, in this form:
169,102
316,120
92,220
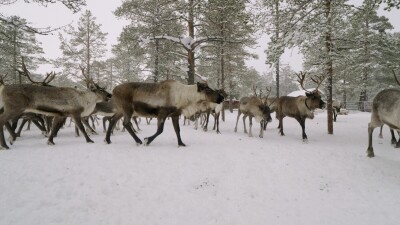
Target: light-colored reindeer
385,110
251,107
159,100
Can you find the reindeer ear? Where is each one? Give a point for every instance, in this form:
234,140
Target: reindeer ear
201,86
308,94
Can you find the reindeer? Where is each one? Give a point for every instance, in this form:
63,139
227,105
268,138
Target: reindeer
253,107
336,105
214,109
301,107
385,110
53,101
161,100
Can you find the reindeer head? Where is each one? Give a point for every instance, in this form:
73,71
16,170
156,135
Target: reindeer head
101,92
313,100
266,112
211,95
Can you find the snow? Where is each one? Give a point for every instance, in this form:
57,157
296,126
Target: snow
226,178
302,92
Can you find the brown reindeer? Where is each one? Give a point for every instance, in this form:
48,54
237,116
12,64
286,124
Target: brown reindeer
54,101
160,100
253,107
301,107
385,110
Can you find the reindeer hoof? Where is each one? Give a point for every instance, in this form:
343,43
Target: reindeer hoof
107,141
305,141
4,148
260,136
370,153
145,142
89,141
50,143
181,145
205,129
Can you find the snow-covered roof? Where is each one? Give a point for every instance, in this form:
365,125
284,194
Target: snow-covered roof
302,92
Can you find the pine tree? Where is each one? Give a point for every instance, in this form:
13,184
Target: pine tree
85,46
15,43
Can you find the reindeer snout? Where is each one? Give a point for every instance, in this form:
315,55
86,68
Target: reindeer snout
322,104
220,99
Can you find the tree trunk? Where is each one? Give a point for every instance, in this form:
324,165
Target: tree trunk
191,58
156,62
329,64
277,38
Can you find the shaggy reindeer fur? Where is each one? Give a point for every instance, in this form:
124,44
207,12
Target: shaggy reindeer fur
161,100
253,107
385,110
54,101
300,108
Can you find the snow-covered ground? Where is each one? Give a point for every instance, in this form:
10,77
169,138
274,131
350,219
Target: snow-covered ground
225,179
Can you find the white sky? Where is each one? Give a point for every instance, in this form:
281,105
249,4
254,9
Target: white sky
56,15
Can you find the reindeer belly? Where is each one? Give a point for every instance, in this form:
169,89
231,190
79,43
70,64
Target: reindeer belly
144,109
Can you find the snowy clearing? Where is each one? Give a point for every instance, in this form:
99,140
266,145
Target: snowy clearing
226,178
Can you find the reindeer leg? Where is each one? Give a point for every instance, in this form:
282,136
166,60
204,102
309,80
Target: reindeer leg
128,126
2,139
261,129
370,150
302,122
250,126
196,122
280,126
13,136
55,126
76,130
18,133
206,121
113,120
380,132
244,123
136,122
393,140
175,123
104,124
237,120
40,126
160,128
29,125
217,122
78,122
85,122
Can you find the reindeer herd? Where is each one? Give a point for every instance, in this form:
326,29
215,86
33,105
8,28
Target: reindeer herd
48,107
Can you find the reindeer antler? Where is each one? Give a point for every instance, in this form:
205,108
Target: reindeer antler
49,77
87,79
318,80
395,77
255,90
300,78
268,91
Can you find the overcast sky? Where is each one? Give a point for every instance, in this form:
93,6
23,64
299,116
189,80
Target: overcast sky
56,15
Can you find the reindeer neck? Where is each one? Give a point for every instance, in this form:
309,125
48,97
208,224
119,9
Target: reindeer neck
305,102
